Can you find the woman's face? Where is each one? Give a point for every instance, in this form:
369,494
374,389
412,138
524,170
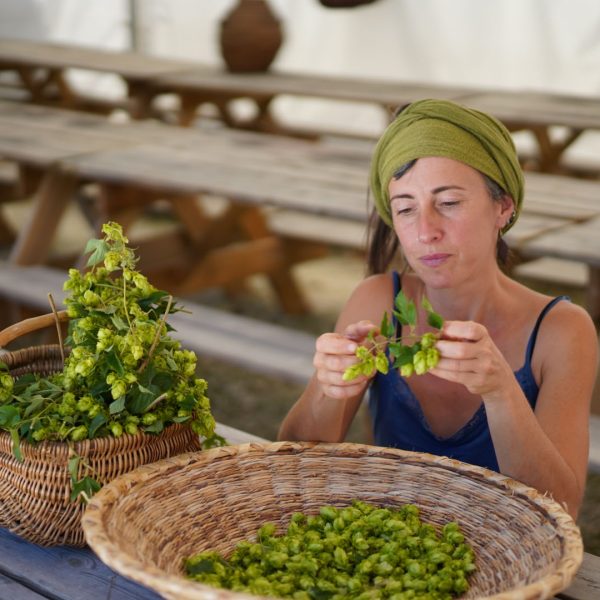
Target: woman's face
445,220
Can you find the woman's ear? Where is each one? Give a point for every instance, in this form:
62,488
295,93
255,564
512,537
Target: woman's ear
507,211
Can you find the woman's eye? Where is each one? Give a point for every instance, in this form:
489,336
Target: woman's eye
449,203
404,210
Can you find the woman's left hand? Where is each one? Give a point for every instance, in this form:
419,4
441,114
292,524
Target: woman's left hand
468,355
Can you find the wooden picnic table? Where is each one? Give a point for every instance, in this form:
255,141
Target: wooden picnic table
31,572
320,185
539,112
42,68
216,86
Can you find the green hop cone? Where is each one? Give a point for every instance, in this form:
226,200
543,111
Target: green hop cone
131,428
381,363
80,433
6,387
420,362
428,340
407,370
432,357
149,419
116,429
368,366
352,372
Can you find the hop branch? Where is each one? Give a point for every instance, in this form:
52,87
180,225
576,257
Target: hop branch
410,353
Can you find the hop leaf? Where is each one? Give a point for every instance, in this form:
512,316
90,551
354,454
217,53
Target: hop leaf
98,249
406,311
433,318
386,328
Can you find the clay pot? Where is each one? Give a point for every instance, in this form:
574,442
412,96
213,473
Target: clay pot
344,3
250,36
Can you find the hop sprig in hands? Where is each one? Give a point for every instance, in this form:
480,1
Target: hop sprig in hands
410,353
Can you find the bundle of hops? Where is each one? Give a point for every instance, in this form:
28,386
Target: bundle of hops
124,372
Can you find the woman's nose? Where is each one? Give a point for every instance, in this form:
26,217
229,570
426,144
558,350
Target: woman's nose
428,227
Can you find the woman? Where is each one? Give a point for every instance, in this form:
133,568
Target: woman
512,387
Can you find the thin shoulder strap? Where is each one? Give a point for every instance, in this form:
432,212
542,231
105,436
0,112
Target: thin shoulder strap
397,287
397,282
534,333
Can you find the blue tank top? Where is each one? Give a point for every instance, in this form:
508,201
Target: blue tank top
399,422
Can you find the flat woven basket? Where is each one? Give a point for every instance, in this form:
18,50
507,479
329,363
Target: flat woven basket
144,523
35,494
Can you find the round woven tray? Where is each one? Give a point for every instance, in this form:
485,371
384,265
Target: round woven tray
35,494
144,523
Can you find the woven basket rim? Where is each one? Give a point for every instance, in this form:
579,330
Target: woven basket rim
179,587
82,447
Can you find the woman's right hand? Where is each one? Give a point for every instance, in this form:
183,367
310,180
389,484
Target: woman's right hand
336,352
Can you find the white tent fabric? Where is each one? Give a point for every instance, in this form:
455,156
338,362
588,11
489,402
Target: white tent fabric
515,44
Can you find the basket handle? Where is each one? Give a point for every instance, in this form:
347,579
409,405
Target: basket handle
28,325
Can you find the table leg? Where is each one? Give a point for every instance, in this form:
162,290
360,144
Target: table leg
30,179
263,121
551,152
281,279
117,203
7,234
34,240
187,110
39,82
592,300
140,99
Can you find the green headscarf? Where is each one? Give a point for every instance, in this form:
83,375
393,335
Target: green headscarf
444,128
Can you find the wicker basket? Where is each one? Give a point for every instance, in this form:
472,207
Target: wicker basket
35,494
144,523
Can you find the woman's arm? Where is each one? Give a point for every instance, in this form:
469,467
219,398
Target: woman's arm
546,449
327,406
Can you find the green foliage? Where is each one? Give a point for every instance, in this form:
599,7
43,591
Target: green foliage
417,356
124,373
359,551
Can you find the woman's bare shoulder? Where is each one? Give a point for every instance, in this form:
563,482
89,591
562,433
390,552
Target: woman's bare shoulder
371,297
567,331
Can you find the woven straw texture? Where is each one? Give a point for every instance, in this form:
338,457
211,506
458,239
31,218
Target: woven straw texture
35,494
144,523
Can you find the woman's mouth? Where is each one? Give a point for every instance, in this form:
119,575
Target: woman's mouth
434,260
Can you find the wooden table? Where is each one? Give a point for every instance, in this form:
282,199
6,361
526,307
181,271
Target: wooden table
538,112
233,245
31,572
218,87
320,185
42,68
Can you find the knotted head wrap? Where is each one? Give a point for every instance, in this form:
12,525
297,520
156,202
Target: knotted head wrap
443,128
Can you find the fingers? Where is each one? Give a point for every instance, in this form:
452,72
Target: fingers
336,363
335,353
467,331
334,343
359,331
458,349
469,356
